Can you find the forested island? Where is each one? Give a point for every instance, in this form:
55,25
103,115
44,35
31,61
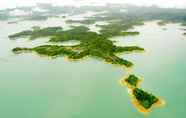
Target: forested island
92,44
131,81
161,23
143,100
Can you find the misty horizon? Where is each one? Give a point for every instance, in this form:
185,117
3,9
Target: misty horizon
158,3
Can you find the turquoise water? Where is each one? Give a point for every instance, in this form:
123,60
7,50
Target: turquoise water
35,87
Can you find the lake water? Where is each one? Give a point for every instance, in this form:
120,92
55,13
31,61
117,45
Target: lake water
36,87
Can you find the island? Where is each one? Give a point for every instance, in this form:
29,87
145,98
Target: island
145,101
12,22
36,32
162,23
131,81
81,21
91,44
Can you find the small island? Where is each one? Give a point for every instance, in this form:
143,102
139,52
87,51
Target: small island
144,101
162,23
131,81
81,21
12,22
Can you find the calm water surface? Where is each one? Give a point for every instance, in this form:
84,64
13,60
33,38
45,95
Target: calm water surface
36,87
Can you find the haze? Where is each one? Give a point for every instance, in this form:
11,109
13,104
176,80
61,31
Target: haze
161,3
